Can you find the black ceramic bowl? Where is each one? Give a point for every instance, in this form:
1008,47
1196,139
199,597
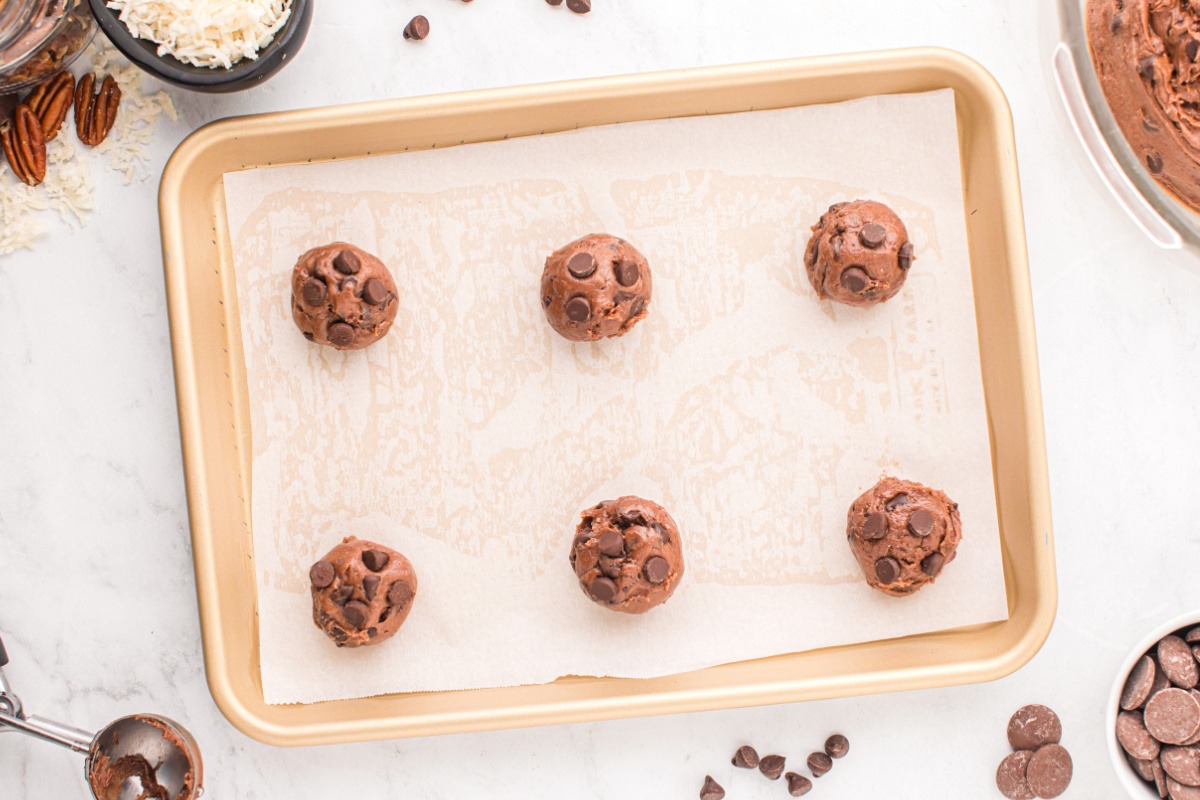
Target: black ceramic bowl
245,74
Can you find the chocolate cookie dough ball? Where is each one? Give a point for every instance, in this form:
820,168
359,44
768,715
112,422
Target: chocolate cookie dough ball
903,534
859,254
361,592
595,287
627,554
343,297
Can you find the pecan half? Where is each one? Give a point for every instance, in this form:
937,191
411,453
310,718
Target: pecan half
51,101
24,145
95,113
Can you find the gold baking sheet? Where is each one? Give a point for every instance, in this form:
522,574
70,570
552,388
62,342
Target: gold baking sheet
214,419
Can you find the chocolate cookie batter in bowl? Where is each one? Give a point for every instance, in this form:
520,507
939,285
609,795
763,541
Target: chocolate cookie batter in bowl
1128,73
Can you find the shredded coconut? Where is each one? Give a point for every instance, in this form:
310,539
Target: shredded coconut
69,188
205,33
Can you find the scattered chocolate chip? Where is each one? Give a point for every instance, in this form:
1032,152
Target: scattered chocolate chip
798,785
872,235
1050,771
887,569
1154,163
899,501
746,757
1033,726
932,564
920,523
416,29
374,292
1010,776
580,6
656,570
854,279
819,764
321,574
314,292
612,544
1172,716
578,309
627,273
375,560
341,334
602,589
581,265
837,746
347,263
905,257
371,586
1177,662
399,594
875,527
772,766
711,790
355,613
1139,684
1134,738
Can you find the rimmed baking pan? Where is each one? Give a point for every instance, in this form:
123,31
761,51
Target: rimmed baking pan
214,418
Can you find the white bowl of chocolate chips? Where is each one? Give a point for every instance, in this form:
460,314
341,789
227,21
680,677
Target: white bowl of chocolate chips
1153,714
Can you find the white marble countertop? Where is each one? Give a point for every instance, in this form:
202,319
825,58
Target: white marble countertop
97,599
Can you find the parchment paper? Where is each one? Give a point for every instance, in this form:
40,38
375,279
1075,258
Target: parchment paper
472,436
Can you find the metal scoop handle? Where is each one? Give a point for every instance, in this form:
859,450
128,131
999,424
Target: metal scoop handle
12,716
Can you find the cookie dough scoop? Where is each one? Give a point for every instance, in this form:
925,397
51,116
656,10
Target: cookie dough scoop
135,757
859,254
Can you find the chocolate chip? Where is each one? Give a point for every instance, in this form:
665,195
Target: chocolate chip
746,757
372,633
627,273
355,613
772,766
837,746
854,279
625,297
309,336
1172,716
932,564
1192,48
314,292
639,306
898,501
711,790
581,265
555,2
321,574
1010,776
374,292
905,257
798,784
581,538
341,334
347,263
546,301
347,284
603,590
1050,770
887,569
578,309
342,594
1134,738
819,764
1114,24
1145,68
383,615
656,570
371,586
1154,163
875,527
417,28
612,544
399,594
580,6
920,523
375,560
1138,684
872,235
1033,726
1177,662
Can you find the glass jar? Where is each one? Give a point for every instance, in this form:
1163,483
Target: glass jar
40,37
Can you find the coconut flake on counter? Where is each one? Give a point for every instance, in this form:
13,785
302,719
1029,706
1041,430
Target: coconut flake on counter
205,33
